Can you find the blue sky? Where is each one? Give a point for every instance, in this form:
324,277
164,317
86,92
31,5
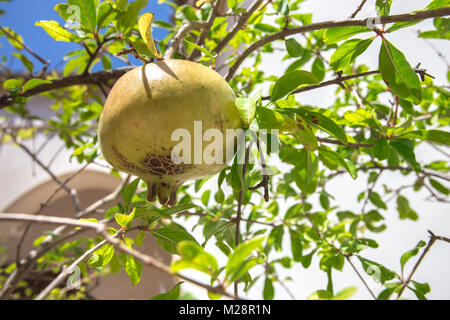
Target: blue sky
22,14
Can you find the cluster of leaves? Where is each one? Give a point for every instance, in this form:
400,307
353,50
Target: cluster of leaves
366,133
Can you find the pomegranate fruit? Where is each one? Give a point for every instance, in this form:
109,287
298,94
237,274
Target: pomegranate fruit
145,107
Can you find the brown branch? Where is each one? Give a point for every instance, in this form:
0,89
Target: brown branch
337,81
425,251
101,229
420,15
42,60
152,262
67,271
178,37
93,78
346,256
358,9
206,29
242,19
350,144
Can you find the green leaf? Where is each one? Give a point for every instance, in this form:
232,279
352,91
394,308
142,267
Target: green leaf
346,164
296,245
405,149
33,83
13,84
105,14
205,197
293,47
290,81
438,136
401,25
307,259
186,13
321,295
305,135
436,4
421,289
377,271
13,41
173,294
128,193
192,45
384,7
106,62
318,69
236,177
57,32
386,294
95,261
435,34
88,14
106,253
405,210
133,268
237,260
347,52
411,253
398,73
439,187
275,238
334,35
26,62
129,18
345,294
322,122
219,196
265,28
269,291
381,149
375,198
193,256
247,107
305,176
168,237
271,119
123,219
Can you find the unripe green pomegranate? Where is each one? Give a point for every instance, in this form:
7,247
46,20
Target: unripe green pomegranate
147,105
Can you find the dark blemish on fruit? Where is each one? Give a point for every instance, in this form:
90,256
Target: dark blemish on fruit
160,165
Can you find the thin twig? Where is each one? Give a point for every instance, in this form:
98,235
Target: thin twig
242,19
358,9
42,60
425,251
206,29
178,37
41,207
67,271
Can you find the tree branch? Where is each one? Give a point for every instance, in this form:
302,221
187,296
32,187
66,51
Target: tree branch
176,40
363,2
421,15
238,26
93,78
